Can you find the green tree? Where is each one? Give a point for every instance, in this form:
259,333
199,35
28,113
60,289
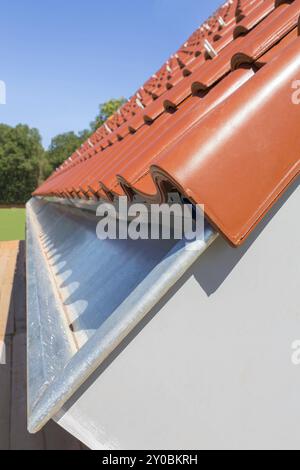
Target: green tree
62,146
21,154
24,164
105,111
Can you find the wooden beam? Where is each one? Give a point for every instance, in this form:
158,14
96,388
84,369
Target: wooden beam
8,259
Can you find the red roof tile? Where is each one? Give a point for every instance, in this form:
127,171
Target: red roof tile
216,122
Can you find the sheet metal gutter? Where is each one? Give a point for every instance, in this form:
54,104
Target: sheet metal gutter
85,296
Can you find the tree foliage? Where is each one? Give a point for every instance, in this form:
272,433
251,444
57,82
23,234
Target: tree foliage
24,163
105,111
62,146
21,154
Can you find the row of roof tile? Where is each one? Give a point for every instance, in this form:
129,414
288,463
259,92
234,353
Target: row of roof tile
216,123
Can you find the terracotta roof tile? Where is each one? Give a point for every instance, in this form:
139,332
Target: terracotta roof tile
216,122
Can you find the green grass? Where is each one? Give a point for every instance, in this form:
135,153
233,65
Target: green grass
12,224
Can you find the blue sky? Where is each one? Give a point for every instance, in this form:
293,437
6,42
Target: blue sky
61,58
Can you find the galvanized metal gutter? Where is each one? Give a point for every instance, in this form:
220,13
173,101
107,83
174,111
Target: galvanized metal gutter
85,296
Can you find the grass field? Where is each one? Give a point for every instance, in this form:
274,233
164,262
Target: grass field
12,224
